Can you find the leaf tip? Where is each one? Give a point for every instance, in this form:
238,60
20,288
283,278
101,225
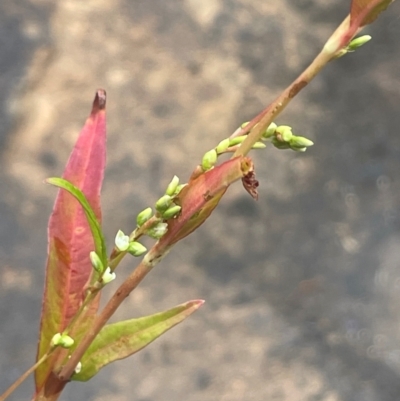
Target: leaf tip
49,180
99,102
197,303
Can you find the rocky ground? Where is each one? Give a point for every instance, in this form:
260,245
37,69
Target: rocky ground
302,287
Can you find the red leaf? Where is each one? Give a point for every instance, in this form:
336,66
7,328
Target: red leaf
202,195
364,12
69,236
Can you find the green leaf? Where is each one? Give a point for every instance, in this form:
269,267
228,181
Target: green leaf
98,237
120,340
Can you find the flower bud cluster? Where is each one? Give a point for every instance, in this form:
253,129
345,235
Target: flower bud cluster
63,340
124,244
282,138
105,274
166,207
227,145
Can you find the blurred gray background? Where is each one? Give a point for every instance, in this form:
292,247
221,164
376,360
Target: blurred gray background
302,287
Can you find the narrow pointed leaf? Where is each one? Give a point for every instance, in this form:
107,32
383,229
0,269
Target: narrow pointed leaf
120,340
364,12
70,239
94,224
201,196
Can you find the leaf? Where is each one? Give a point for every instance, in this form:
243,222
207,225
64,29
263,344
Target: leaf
201,196
98,237
70,240
364,12
120,340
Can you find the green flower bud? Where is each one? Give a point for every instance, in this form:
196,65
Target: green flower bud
222,146
270,131
279,144
144,216
300,142
287,134
96,262
179,189
358,42
259,145
237,140
121,241
209,160
63,340
55,340
136,248
172,186
157,231
163,203
108,276
298,149
285,131
244,124
171,212
66,341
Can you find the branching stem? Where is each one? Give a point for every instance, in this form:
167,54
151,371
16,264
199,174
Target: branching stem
260,123
122,292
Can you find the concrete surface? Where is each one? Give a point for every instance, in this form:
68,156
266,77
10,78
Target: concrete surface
303,287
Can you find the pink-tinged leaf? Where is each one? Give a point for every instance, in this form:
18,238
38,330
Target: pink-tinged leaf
201,196
364,12
120,340
69,237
